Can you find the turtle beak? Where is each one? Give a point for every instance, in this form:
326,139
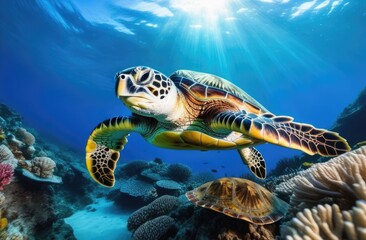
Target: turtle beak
123,85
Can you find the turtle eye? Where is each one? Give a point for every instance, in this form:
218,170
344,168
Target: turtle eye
145,78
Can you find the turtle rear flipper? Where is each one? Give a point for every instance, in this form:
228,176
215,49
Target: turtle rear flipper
281,130
104,144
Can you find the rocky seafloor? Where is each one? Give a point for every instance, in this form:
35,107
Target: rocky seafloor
42,184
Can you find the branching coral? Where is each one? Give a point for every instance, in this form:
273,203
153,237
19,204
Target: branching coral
327,222
340,180
6,174
355,221
158,207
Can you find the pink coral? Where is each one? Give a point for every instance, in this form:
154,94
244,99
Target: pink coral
6,174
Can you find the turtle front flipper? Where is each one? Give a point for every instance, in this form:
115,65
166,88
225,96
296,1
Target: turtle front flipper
104,144
253,158
281,130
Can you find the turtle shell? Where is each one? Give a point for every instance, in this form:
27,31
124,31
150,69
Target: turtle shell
205,87
239,198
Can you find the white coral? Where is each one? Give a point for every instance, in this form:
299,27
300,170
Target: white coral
5,153
342,179
327,222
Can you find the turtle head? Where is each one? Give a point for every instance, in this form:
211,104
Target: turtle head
146,91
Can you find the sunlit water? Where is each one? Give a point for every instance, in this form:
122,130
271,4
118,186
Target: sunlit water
305,59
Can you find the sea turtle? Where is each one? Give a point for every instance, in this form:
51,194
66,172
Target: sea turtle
239,198
193,110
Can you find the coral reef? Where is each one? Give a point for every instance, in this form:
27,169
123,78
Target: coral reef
35,210
160,206
341,180
169,184
138,188
43,166
327,222
40,169
34,177
133,168
5,153
6,174
151,175
258,233
154,229
25,136
179,172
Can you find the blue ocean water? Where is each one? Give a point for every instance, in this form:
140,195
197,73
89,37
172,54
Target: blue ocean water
58,59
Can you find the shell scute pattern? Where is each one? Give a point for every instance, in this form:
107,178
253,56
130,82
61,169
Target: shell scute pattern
207,86
239,198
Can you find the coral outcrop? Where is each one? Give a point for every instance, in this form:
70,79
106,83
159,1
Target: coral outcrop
133,168
160,206
138,188
179,172
43,166
6,174
341,180
327,222
26,137
154,229
5,153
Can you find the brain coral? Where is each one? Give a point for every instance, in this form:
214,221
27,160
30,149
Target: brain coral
179,172
154,229
25,136
43,166
341,180
158,207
